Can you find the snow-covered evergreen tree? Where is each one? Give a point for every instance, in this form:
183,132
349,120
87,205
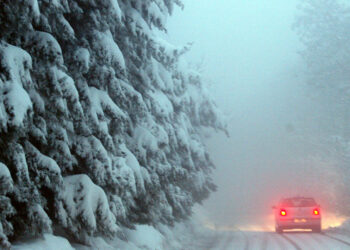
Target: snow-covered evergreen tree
100,119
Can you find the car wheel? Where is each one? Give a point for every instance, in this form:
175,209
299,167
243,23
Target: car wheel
278,230
317,229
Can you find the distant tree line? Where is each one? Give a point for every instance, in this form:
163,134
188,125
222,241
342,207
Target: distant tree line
324,29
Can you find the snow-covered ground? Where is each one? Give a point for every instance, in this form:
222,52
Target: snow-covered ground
190,236
271,240
142,238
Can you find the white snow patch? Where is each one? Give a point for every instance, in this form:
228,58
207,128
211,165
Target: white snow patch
144,139
48,242
127,175
4,171
67,27
137,23
156,13
160,76
20,101
43,161
82,56
35,8
67,83
161,103
183,137
84,198
6,183
108,48
116,8
100,152
146,237
48,45
133,163
37,100
100,102
56,3
197,148
18,62
166,47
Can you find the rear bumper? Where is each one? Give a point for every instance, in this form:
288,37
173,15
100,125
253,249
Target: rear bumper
291,224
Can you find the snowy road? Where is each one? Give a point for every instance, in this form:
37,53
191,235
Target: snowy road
271,240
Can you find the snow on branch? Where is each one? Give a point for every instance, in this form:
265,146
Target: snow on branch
15,102
85,209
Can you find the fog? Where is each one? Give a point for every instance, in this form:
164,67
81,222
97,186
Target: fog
248,54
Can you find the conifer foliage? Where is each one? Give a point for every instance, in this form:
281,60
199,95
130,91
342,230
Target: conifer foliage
99,119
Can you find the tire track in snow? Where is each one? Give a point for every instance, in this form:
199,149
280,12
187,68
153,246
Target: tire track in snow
335,238
206,243
276,242
213,242
264,241
305,240
228,240
246,238
321,242
234,240
277,239
292,242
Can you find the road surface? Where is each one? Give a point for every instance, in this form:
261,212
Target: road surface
270,240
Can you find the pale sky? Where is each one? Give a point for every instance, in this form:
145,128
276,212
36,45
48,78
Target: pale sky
240,42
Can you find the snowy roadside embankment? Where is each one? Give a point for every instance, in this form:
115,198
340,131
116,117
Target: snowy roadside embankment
144,237
47,242
344,228
191,235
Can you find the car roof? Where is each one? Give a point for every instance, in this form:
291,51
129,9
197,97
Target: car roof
298,197
298,201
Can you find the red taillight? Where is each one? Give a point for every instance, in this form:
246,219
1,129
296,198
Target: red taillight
316,212
283,212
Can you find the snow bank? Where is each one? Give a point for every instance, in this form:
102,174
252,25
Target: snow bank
48,242
146,237
344,227
143,237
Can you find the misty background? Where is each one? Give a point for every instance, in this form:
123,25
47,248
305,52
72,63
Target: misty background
248,53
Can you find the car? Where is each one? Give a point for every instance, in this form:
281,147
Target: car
297,213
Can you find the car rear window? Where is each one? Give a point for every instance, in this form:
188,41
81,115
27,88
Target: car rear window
298,202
